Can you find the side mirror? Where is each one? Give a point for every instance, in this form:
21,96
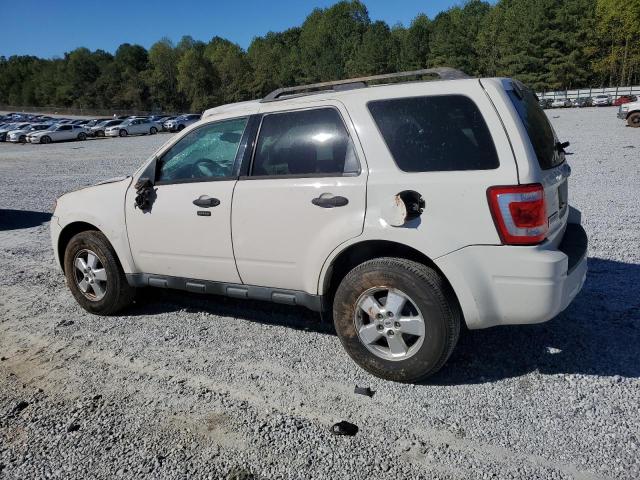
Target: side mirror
145,194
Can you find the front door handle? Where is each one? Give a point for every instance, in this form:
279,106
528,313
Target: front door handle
327,200
205,201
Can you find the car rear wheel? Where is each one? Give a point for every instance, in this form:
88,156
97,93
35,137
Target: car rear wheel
123,133
45,139
82,136
180,128
99,133
94,275
22,139
153,130
633,120
396,318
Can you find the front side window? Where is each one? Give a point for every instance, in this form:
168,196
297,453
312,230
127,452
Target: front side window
308,142
435,133
205,153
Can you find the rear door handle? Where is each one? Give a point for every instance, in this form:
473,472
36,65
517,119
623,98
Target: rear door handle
327,200
205,201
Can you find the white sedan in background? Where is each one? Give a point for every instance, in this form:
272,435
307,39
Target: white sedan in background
20,135
133,126
58,133
561,103
602,100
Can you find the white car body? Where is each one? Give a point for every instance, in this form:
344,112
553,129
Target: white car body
58,133
133,126
602,100
561,103
285,249
16,136
627,110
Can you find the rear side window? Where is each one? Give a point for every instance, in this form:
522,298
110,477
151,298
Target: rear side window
536,124
309,142
435,133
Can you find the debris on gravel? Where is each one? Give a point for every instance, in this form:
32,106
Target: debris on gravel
186,386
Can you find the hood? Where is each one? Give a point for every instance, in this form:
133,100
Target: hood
113,180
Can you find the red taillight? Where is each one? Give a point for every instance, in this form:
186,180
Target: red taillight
520,213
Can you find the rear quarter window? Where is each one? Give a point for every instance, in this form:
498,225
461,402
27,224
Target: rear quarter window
435,133
536,124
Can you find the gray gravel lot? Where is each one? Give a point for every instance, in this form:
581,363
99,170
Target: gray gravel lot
184,386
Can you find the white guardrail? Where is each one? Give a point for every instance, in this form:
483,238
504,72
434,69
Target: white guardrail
615,92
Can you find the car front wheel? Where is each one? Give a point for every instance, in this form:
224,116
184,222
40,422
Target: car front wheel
123,133
94,275
82,136
633,120
396,318
153,130
45,139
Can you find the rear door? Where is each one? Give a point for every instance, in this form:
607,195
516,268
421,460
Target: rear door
301,197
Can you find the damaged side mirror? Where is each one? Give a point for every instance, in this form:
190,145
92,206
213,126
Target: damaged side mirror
145,194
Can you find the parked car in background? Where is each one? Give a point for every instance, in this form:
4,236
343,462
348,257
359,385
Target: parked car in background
622,99
134,126
99,129
582,102
20,135
560,102
545,103
9,127
58,133
631,113
602,100
180,123
335,206
165,122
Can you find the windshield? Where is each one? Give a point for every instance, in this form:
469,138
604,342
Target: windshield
536,124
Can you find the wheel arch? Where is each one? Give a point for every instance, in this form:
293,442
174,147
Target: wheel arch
67,233
360,252
71,230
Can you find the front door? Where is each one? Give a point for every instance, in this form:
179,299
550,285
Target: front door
187,231
304,196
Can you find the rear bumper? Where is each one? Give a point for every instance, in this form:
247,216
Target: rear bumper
505,285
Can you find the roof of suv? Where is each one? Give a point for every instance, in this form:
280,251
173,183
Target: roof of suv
355,86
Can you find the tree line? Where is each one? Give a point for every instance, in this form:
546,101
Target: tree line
548,44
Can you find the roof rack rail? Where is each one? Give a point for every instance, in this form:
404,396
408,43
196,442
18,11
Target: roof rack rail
443,73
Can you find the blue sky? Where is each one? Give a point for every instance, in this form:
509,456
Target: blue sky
49,29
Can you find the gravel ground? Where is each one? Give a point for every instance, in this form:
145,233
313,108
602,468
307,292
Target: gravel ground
184,386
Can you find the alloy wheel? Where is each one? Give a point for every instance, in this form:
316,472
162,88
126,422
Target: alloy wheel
389,324
90,275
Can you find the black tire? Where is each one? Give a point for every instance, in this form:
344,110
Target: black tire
45,139
100,133
82,136
633,120
153,130
430,294
180,127
123,132
118,293
22,139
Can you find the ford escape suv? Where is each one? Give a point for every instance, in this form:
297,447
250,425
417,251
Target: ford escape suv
401,210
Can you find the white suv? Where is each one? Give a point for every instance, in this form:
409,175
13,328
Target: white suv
402,210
